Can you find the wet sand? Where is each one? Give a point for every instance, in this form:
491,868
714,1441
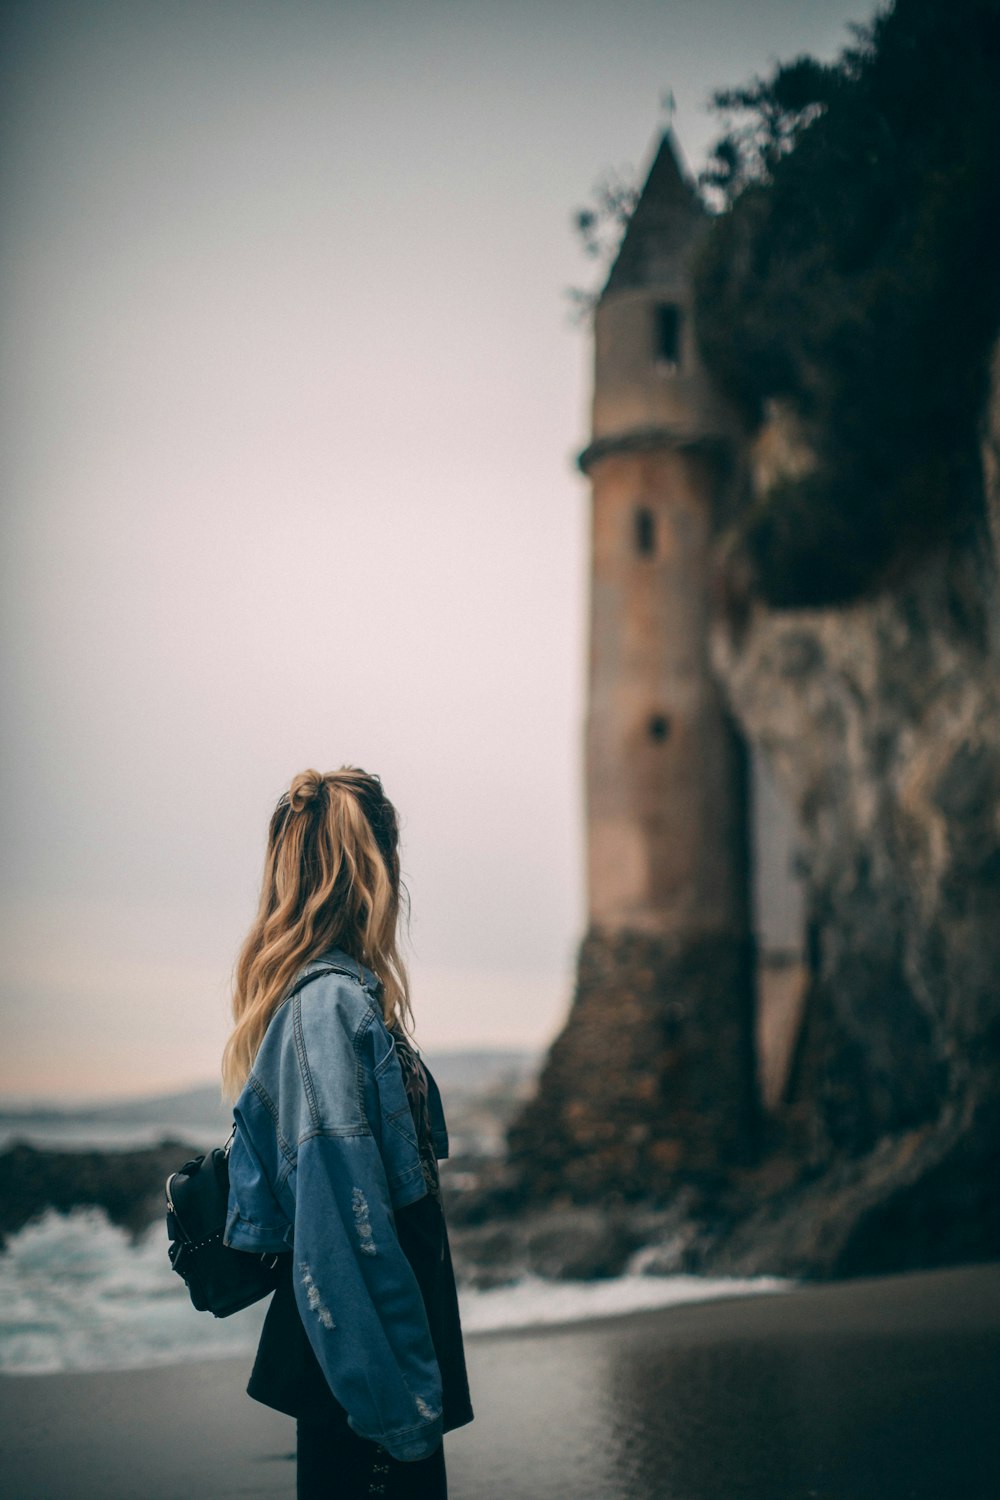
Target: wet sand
877,1389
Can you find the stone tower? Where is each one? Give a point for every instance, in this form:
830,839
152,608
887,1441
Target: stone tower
652,1076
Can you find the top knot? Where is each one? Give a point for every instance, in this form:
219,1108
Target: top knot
306,788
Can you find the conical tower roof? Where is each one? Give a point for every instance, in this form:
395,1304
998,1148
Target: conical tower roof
665,222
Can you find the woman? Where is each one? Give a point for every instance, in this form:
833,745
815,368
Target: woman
339,1128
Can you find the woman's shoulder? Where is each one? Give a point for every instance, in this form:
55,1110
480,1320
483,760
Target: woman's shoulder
327,1002
331,1001
338,986
315,1054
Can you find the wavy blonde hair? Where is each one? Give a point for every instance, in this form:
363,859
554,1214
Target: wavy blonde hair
331,880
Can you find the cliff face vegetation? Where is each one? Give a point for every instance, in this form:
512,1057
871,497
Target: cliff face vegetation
854,272
851,279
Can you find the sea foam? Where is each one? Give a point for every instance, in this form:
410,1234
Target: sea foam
78,1293
535,1302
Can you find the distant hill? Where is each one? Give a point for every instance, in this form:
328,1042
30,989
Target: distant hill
472,1070
484,1069
482,1088
201,1101
198,1114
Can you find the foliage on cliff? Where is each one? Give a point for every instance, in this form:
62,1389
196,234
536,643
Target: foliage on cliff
853,274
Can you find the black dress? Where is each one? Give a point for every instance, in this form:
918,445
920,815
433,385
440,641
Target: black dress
333,1462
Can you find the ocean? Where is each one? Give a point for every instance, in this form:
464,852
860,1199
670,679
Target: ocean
79,1293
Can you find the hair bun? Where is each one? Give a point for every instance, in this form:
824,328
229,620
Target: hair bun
305,789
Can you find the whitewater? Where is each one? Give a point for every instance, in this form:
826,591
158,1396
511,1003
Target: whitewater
78,1293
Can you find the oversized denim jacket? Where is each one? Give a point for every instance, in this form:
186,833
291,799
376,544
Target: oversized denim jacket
325,1150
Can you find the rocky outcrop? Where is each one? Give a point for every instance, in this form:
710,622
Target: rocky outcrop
127,1185
919,1198
650,1075
881,721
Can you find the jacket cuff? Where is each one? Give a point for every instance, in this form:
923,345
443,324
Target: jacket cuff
243,1234
407,1444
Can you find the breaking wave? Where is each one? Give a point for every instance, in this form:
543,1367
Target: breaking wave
78,1293
534,1302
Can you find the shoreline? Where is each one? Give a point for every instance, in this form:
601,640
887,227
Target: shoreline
842,1385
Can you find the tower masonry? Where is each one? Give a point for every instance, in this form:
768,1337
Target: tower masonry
652,1076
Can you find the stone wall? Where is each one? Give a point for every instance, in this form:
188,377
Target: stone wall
651,1076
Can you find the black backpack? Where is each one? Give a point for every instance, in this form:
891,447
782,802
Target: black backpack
220,1280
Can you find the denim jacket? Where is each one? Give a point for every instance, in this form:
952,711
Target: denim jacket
324,1152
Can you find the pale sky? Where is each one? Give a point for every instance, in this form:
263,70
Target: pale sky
290,402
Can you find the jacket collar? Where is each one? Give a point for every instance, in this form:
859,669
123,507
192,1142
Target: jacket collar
337,958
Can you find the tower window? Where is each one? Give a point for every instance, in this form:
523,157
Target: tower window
668,335
659,728
645,531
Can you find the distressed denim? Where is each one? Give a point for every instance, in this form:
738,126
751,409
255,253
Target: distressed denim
325,1150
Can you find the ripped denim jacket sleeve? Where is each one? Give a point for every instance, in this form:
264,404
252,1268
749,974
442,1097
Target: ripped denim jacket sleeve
359,1299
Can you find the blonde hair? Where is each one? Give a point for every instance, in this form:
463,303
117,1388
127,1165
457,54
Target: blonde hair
331,880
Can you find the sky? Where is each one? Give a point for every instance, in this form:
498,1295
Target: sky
290,396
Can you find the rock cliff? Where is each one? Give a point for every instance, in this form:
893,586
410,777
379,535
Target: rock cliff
881,720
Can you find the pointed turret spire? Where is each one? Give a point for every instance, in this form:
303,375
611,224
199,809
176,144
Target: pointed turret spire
666,219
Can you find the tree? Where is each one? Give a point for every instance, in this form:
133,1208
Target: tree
852,271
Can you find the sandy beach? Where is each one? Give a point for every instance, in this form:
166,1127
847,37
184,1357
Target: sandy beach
876,1389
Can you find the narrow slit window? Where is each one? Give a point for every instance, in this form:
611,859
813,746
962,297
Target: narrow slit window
645,531
668,335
